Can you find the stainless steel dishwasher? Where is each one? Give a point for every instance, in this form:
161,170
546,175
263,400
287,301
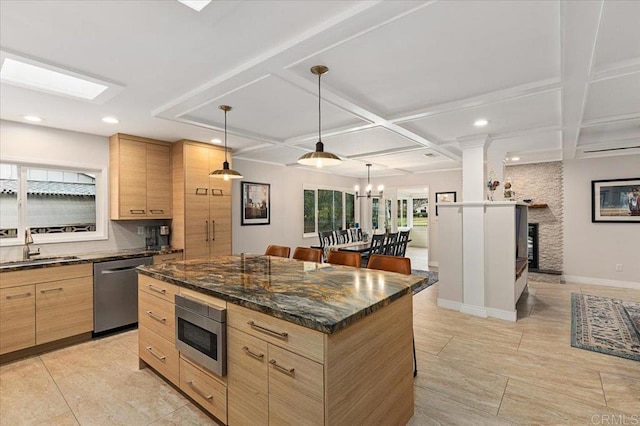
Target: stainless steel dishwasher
115,293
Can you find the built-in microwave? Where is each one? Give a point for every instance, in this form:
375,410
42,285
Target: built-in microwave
201,333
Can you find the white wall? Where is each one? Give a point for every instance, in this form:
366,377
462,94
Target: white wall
39,144
286,227
591,250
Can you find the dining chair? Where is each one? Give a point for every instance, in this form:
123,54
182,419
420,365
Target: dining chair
308,254
327,238
401,265
403,240
377,247
342,236
279,251
390,244
344,258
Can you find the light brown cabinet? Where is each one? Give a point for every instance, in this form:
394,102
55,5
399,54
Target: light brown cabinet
202,218
17,318
39,306
140,178
207,391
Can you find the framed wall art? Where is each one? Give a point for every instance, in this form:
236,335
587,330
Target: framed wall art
445,197
256,203
615,200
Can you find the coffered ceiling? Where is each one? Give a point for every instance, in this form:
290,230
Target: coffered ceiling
407,79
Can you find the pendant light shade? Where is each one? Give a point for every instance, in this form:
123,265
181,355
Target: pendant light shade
225,173
319,157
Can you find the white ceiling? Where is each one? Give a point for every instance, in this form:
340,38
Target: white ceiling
407,78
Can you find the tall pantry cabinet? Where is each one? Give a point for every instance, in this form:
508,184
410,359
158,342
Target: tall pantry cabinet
202,205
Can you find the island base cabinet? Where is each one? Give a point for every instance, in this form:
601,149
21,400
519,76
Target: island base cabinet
63,309
247,379
204,389
296,389
17,318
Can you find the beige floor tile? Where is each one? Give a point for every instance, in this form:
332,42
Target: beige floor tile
129,340
549,373
525,403
622,392
433,408
431,341
469,385
188,415
28,395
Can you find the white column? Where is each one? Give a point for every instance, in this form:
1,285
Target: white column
474,151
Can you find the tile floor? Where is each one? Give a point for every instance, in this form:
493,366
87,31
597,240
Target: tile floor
471,371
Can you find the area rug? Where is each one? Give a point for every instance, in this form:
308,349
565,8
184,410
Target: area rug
433,278
606,325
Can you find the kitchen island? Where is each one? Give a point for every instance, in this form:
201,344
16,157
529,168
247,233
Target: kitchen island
307,343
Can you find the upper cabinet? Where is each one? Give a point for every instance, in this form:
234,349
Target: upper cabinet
140,178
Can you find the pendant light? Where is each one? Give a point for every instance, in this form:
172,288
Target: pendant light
225,173
319,157
368,188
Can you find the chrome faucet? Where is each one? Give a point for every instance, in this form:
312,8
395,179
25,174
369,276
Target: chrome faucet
28,239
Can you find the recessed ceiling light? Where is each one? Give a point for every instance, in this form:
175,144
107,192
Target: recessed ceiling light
196,5
32,118
110,120
515,158
481,122
216,140
47,80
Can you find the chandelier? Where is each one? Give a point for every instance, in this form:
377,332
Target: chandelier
225,172
367,190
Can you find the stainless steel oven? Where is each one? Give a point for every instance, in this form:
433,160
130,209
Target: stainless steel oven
201,333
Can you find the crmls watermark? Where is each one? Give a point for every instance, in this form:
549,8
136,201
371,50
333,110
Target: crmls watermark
616,419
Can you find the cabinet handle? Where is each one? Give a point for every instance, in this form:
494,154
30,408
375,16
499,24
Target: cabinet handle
160,357
287,371
198,391
51,290
253,354
201,191
18,296
206,232
213,230
166,259
156,211
136,211
280,335
156,317
156,289
216,192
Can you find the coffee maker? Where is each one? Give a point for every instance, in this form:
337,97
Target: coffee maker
157,237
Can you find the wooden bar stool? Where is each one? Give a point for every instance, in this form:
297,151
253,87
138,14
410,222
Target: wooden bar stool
344,258
279,251
308,254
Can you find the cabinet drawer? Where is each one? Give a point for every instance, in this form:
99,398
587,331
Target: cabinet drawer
157,315
296,389
43,275
298,339
159,353
204,389
169,257
17,318
247,372
63,309
158,288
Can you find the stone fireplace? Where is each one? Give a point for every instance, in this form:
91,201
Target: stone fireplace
542,183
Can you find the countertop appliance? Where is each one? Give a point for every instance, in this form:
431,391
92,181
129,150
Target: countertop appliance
115,293
201,333
157,237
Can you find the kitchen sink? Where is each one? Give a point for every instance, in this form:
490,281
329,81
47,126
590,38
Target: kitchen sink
38,261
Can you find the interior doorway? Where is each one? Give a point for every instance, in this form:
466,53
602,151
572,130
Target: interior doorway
413,213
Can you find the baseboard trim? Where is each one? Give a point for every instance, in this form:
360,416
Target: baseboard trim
449,304
599,281
502,314
478,311
433,264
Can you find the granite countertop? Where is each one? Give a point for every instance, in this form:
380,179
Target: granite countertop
74,259
319,296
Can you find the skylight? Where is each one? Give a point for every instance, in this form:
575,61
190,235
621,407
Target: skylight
196,5
47,80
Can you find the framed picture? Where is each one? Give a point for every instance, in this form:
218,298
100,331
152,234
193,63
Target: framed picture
256,203
615,200
445,197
